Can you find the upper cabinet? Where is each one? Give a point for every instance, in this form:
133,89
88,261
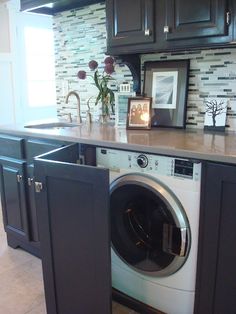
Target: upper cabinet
160,25
52,7
195,19
130,22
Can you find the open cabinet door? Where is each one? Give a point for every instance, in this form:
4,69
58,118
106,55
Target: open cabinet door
73,213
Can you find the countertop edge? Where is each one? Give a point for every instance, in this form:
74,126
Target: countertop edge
162,150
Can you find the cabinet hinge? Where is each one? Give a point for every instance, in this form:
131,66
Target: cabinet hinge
30,181
19,178
38,186
228,18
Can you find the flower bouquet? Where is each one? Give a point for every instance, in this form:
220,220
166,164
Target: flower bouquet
105,94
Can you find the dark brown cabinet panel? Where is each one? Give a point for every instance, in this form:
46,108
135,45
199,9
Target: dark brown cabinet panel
33,221
11,146
73,215
130,22
166,25
14,197
217,257
35,147
195,19
17,189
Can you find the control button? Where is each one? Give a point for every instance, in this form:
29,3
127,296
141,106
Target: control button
142,161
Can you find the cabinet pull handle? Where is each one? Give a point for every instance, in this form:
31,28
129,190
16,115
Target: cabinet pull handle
30,181
19,178
147,32
38,187
166,29
228,18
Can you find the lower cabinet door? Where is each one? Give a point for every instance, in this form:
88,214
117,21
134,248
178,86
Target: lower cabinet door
13,195
73,214
33,221
216,288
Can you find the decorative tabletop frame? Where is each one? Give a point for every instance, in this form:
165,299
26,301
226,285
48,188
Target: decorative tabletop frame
139,113
167,83
121,107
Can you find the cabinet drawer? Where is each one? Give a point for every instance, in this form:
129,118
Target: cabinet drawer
34,148
11,146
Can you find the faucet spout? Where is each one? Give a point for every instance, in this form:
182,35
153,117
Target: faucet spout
74,93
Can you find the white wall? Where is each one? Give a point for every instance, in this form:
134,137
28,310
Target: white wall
7,66
7,112
14,105
5,32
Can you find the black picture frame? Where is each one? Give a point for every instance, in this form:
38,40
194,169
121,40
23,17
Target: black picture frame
167,83
139,113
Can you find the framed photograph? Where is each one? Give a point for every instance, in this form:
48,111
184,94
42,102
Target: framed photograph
139,113
167,83
121,107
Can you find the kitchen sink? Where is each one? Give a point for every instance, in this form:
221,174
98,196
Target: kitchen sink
51,125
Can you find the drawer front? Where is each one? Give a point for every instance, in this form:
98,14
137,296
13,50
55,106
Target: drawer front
11,146
34,148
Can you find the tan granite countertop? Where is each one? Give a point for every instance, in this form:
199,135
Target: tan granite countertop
188,143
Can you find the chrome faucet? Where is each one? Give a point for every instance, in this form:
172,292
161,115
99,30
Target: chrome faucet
79,119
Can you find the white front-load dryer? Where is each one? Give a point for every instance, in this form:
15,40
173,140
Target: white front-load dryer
154,208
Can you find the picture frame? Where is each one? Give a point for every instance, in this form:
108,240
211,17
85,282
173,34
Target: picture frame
215,114
167,83
121,107
139,113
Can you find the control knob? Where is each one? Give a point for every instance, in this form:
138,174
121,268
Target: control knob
142,161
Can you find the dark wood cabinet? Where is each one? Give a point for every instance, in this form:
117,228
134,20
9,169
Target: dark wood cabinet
130,22
165,25
216,288
17,189
73,214
13,195
195,19
32,214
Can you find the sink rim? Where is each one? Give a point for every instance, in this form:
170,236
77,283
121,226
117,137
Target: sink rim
51,125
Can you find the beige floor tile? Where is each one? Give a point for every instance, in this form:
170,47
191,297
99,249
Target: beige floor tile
21,282
120,309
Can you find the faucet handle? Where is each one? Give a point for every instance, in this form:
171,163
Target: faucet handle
79,119
69,116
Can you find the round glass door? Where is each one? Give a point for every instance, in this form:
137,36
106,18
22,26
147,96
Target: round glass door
149,229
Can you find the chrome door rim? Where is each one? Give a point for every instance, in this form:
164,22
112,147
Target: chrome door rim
174,206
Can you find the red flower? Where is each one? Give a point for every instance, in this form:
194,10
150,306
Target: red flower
101,80
81,75
93,65
109,68
109,60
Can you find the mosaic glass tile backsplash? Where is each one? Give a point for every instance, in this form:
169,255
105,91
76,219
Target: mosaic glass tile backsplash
80,35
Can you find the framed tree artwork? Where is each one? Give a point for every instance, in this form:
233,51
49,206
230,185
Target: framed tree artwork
167,83
215,114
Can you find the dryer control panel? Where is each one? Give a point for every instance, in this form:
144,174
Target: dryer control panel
117,160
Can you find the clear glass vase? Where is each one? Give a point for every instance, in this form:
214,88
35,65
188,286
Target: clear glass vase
104,119
104,116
